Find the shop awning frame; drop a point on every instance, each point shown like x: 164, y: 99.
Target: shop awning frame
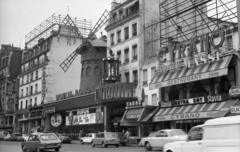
x: 194, y: 73
x: 198, y: 111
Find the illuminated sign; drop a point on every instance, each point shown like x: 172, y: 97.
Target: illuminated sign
x: 184, y: 55
x: 80, y: 92
x: 84, y: 116
x: 234, y: 91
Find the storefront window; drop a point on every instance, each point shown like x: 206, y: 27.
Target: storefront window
x: 173, y: 93
x: 223, y: 85
x: 198, y: 90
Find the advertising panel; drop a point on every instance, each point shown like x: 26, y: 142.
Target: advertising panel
x: 84, y: 116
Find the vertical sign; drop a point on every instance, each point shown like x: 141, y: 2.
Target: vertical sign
x: 44, y: 84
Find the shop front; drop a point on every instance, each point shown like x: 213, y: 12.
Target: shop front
x: 194, y: 87
x: 74, y: 116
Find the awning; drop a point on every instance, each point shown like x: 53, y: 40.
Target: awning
x: 206, y: 110
x: 132, y: 117
x: 194, y: 73
x: 150, y: 115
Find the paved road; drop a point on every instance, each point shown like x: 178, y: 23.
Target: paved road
x: 11, y: 146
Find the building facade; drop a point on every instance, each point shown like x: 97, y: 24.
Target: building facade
x: 41, y: 77
x: 10, y: 67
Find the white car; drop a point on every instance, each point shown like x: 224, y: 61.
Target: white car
x: 215, y: 135
x: 159, y: 138
x: 25, y: 137
x: 88, y: 138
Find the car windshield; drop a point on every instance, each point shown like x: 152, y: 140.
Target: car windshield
x: 177, y: 132
x: 153, y: 134
x: 48, y: 137
x: 110, y: 135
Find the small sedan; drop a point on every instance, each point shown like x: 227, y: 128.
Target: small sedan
x: 159, y: 138
x: 106, y: 139
x: 41, y: 141
x: 88, y: 138
x: 64, y: 138
x: 20, y: 138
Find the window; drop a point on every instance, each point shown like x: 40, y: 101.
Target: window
x: 27, y: 92
x: 21, y: 105
x: 31, y: 91
x: 126, y: 33
x: 31, y: 76
x: 27, y: 78
x: 97, y: 71
x: 112, y: 39
x: 88, y: 71
x: 198, y: 90
x: 30, y: 102
x: 35, y: 102
x: 146, y: 99
x: 153, y: 72
x: 134, y: 52
x: 21, y: 92
x: 229, y: 42
x: 135, y: 76
x: 127, y: 76
x: 134, y: 29
x: 145, y: 77
x: 36, y: 88
x: 26, y: 103
x: 82, y: 72
x: 224, y: 85
x: 173, y: 94
x: 22, y: 80
x: 126, y: 51
x: 118, y: 36
x: 119, y: 56
x: 154, y: 99
x: 36, y: 74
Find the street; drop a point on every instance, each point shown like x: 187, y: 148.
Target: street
x: 11, y: 146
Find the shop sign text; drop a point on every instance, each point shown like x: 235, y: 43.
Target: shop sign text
x: 185, y: 116
x: 235, y: 109
x: 234, y: 91
x: 184, y: 55
x: 134, y: 104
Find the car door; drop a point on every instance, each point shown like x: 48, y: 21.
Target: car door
x: 37, y: 142
x: 194, y: 141
x: 29, y: 145
x: 155, y: 140
x: 164, y: 138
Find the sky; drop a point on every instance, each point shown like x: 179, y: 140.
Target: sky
x: 19, y: 17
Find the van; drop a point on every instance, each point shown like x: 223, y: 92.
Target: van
x: 219, y: 134
x: 3, y: 134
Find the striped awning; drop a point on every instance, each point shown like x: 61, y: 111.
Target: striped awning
x: 194, y: 73
x: 206, y: 110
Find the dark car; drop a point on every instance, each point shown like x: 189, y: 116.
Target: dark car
x: 105, y: 139
x: 13, y: 137
x: 42, y: 141
x: 20, y: 137
x: 64, y: 138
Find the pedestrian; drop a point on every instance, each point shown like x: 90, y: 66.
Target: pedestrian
x: 127, y: 134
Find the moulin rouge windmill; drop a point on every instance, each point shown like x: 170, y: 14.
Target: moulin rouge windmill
x: 86, y: 41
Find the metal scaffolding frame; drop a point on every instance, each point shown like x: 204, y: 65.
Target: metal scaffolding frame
x: 47, y: 27
x: 182, y: 20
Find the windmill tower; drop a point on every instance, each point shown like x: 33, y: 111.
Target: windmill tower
x: 92, y: 50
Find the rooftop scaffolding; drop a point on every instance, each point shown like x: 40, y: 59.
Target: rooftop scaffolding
x: 45, y: 29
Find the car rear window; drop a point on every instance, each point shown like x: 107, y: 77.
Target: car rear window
x: 48, y: 137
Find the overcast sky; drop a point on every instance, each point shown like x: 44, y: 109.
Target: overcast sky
x: 19, y: 17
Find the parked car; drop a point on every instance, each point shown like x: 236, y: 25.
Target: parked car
x: 159, y: 138
x: 13, y: 137
x: 20, y: 137
x: 219, y: 134
x: 6, y: 138
x: 123, y: 139
x: 3, y: 134
x: 105, y: 139
x: 25, y: 137
x: 42, y: 141
x: 65, y: 138
x: 87, y: 138
x: 134, y: 140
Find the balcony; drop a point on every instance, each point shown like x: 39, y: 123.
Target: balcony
x: 126, y: 60
x: 113, y: 21
x: 135, y: 57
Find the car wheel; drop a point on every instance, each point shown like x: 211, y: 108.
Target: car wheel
x: 24, y: 149
x: 148, y: 146
x: 39, y: 150
x: 92, y: 144
x: 57, y: 149
x: 117, y: 146
x: 82, y: 142
x: 104, y: 145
